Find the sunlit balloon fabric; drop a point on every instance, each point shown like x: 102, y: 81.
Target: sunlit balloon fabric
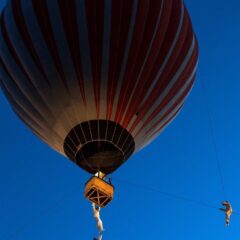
x: 97, y: 79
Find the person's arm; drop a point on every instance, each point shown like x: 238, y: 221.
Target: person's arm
x: 225, y: 204
x: 94, y: 207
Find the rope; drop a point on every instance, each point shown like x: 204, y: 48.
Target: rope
x: 173, y: 196
x: 214, y: 140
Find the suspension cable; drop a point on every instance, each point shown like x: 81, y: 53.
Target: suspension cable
x: 210, y: 121
x: 173, y: 196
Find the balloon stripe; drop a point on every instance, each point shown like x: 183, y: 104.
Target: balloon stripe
x: 150, y: 29
x: 171, y: 43
x: 168, y: 107
x: 95, y: 19
x: 41, y: 12
x: 69, y: 20
x: 137, y: 37
x: 125, y: 51
x: 172, y: 113
x: 149, y: 60
x: 85, y: 53
x: 23, y: 102
x: 105, y: 59
x: 186, y: 67
x: 116, y: 9
x: 18, y: 77
x: 121, y: 18
x: 19, y: 19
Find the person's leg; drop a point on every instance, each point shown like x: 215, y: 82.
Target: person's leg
x: 227, y: 219
x: 100, y: 225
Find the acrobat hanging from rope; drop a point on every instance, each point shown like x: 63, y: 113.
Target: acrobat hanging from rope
x: 96, y: 215
x: 228, y: 211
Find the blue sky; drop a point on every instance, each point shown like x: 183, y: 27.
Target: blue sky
x: 41, y: 193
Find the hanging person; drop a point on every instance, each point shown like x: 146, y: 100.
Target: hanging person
x: 228, y: 211
x: 96, y: 214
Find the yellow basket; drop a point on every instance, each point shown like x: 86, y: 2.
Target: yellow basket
x: 99, y: 191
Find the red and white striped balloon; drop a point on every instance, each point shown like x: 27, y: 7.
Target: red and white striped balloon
x: 132, y: 62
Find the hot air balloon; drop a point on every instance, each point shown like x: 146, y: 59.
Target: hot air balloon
x: 97, y: 80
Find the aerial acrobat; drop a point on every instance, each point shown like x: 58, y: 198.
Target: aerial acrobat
x: 228, y: 211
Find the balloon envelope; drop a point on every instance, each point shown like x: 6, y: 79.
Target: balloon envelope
x: 98, y: 79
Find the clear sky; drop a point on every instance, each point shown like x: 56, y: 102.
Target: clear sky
x: 41, y: 193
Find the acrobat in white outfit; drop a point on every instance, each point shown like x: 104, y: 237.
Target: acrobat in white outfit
x: 96, y: 214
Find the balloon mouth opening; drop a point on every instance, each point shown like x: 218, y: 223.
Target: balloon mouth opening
x: 99, y: 145
x: 99, y: 156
